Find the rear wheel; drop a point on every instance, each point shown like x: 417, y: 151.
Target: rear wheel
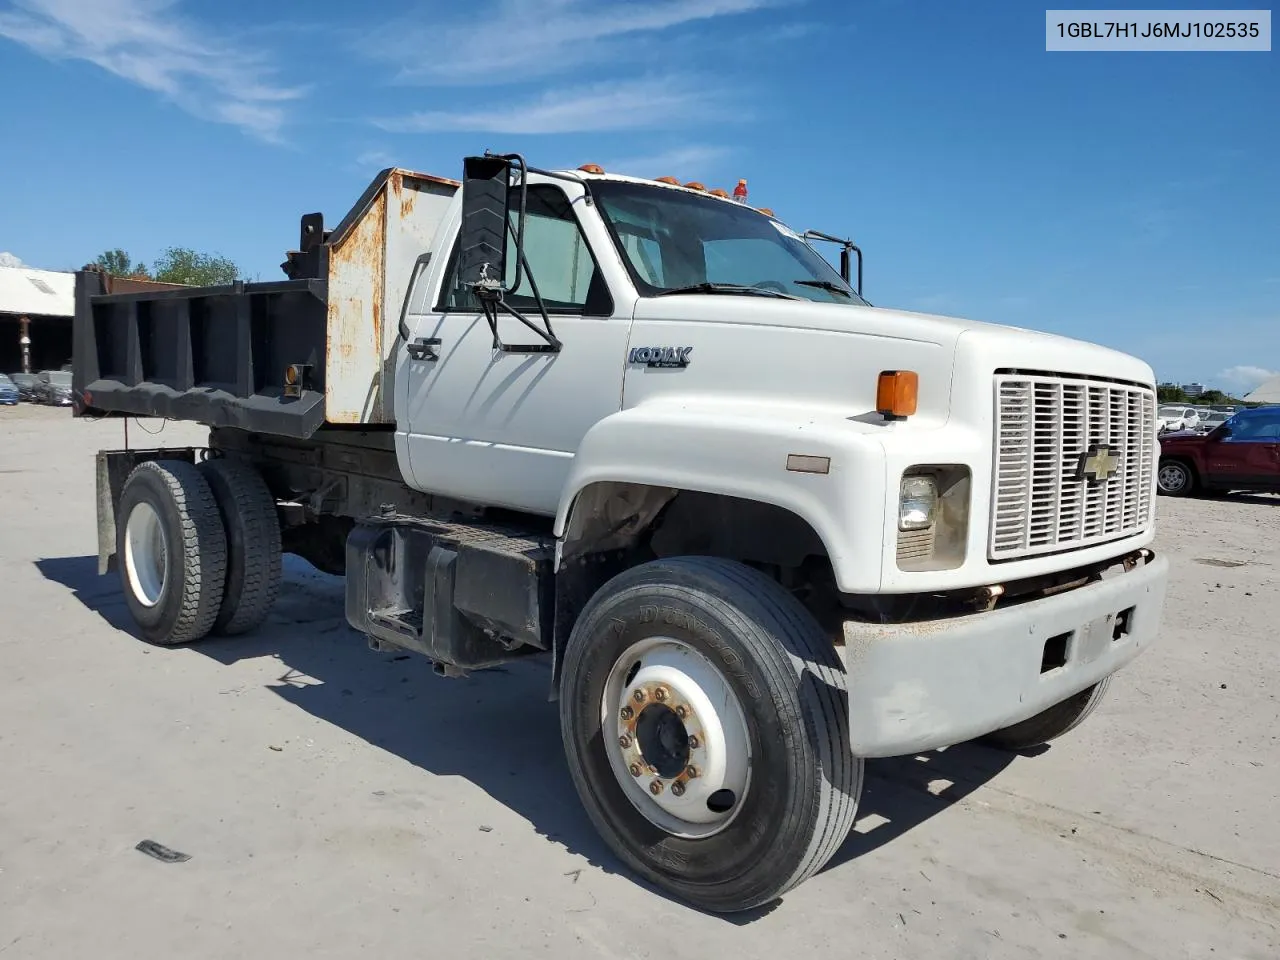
x: 705, y: 722
x: 171, y: 550
x: 1175, y: 478
x: 253, y: 544
x: 1052, y: 723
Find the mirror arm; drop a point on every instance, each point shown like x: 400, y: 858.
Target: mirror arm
x: 846, y: 247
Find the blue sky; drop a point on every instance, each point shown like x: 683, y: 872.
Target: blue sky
x: 1131, y: 199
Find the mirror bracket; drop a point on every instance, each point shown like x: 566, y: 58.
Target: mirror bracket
x: 486, y: 224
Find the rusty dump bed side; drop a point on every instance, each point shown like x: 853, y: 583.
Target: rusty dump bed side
x: 281, y: 357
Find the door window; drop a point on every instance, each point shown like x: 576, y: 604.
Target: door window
x: 1255, y: 426
x: 558, y: 258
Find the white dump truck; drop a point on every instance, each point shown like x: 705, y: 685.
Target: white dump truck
x: 763, y: 529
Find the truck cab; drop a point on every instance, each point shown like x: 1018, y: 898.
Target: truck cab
x: 763, y: 529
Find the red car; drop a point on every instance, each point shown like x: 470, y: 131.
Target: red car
x: 1242, y: 454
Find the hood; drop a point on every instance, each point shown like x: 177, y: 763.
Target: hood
x: 990, y: 344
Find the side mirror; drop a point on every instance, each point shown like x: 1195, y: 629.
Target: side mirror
x: 482, y: 244
x: 1220, y: 433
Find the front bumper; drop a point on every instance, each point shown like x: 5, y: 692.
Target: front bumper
x: 921, y: 686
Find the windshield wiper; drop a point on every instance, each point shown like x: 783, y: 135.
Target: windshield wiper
x: 825, y: 285
x: 730, y: 288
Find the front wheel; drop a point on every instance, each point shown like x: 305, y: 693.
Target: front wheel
x: 1175, y: 478
x: 705, y: 721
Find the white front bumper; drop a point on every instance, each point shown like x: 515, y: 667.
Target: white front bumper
x: 924, y: 685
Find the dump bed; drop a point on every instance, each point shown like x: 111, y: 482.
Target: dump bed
x: 282, y: 357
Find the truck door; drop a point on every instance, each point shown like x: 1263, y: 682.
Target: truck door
x: 1250, y: 454
x: 498, y: 428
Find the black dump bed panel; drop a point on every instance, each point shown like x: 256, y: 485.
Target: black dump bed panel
x: 215, y: 355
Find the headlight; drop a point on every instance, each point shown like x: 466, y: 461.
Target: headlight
x: 917, y: 503
x: 933, y: 517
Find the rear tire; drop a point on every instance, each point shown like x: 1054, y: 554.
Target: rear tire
x: 1052, y: 723
x: 253, y: 544
x: 763, y: 711
x: 171, y: 550
x: 1175, y: 479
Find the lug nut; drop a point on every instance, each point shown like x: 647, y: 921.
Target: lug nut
x: 656, y: 787
x: 638, y: 696
x: 691, y: 772
x: 682, y: 711
x: 636, y: 769
x: 694, y: 742
x: 660, y: 694
x: 678, y: 788
x: 627, y: 713
x: 624, y: 742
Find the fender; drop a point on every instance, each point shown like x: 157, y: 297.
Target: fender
x: 740, y: 448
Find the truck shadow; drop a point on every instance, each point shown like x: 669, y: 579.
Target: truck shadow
x: 497, y: 728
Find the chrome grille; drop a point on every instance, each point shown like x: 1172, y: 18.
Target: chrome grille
x: 1045, y: 424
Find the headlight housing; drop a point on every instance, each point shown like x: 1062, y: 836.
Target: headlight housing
x: 917, y: 503
x: 933, y: 517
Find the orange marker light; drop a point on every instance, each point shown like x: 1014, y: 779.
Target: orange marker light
x: 717, y: 192
x: 671, y: 180
x: 695, y: 185
x: 591, y: 168
x: 897, y: 393
x: 767, y: 211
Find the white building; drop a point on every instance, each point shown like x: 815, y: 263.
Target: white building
x: 36, y: 306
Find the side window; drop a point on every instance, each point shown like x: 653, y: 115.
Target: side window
x: 1258, y: 425
x: 557, y: 255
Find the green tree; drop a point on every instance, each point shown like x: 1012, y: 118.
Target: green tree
x: 1214, y: 396
x: 119, y: 264
x: 1170, y: 394
x: 184, y: 265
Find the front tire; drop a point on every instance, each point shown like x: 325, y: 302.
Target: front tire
x: 171, y: 550
x: 1052, y: 723
x: 705, y: 722
x: 1175, y: 479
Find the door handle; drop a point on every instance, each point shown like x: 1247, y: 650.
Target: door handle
x: 421, y: 348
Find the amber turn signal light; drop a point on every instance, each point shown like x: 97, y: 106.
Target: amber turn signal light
x: 896, y: 394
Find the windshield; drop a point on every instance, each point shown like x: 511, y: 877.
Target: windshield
x: 1173, y: 411
x: 60, y: 378
x: 672, y: 240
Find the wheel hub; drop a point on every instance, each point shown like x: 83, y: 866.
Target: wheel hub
x: 145, y: 555
x: 679, y: 745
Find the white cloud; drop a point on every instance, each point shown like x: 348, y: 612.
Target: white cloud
x: 622, y: 106
x: 1246, y: 377
x: 519, y: 39
x: 9, y: 260
x: 375, y: 158
x: 685, y: 163
x: 147, y: 42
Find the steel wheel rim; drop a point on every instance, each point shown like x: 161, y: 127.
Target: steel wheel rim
x: 1173, y: 477
x: 146, y: 557
x: 659, y: 690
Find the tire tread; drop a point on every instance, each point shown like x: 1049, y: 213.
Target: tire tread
x: 245, y: 501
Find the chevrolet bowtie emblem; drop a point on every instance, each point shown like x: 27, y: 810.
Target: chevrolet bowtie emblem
x: 1098, y: 463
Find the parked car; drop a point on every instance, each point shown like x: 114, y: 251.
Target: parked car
x: 1241, y: 454
x: 26, y: 384
x: 54, y: 388
x: 9, y: 394
x: 1211, y: 421
x: 1174, y: 417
